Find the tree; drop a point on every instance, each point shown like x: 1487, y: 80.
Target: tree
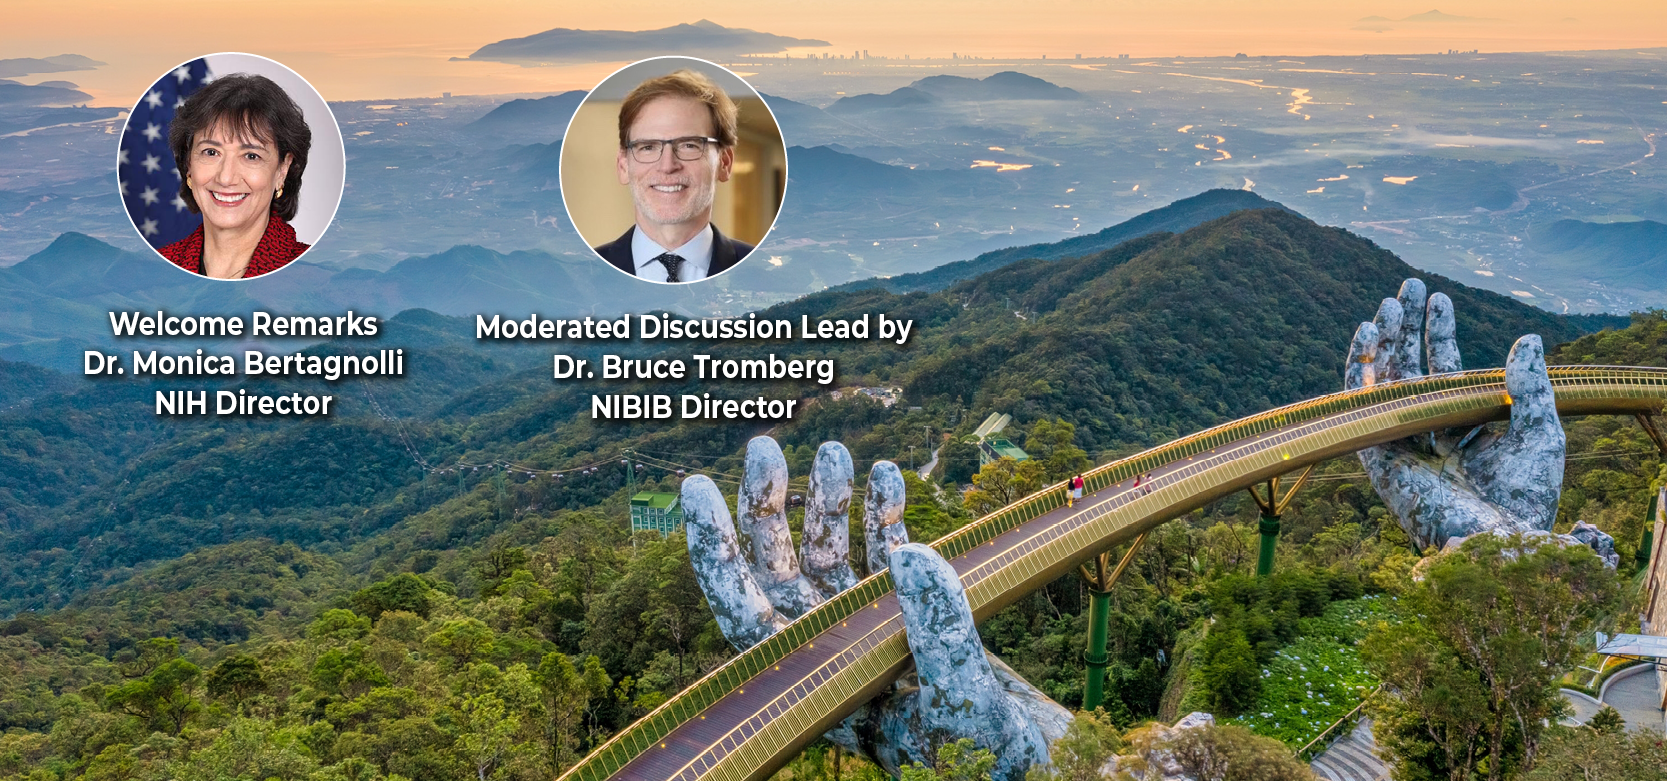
x: 1585, y: 753
x: 1607, y: 720
x: 162, y: 699
x: 1225, y: 752
x: 958, y: 460
x: 486, y: 732
x: 237, y: 678
x: 462, y: 640
x: 497, y: 564
x: 339, y: 626
x: 1087, y: 745
x: 957, y: 761
x: 1001, y: 483
x: 1472, y: 672
x: 249, y: 748
x: 676, y: 608
x: 150, y: 654
x: 1054, y: 445
x: 596, y: 683
x: 926, y: 517
x: 566, y: 700
x: 1432, y: 720
x: 1231, y: 675
x: 347, y: 671
x: 404, y: 591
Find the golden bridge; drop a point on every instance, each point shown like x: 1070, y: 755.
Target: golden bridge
x: 749, y: 717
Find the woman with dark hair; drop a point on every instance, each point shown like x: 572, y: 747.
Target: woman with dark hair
x: 240, y: 144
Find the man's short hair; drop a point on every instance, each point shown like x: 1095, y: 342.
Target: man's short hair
x: 687, y: 84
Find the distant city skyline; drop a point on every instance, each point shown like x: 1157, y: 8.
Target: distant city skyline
x: 402, y: 49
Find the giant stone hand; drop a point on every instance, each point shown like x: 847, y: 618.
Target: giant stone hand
x: 1448, y: 485
x: 755, y: 584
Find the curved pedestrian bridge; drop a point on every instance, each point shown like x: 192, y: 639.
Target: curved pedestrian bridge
x: 749, y: 717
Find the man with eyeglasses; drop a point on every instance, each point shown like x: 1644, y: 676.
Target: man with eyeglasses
x: 676, y: 142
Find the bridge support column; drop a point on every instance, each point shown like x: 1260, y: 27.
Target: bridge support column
x: 1647, y: 422
x: 1100, y: 582
x: 1272, y: 507
x: 1269, y: 527
x: 1647, y: 545
x: 1099, y: 619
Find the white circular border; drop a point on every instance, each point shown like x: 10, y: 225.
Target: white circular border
x: 787, y: 166
x: 334, y: 124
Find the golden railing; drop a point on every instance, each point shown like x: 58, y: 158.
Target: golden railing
x: 1201, y: 468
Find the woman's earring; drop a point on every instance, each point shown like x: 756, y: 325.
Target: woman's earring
x: 280, y: 193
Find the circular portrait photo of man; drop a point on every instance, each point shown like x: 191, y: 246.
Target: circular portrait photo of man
x: 673, y: 170
x: 231, y: 166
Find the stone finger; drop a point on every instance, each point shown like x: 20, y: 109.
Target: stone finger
x: 1388, y: 323
x: 1409, y: 350
x: 1522, y: 470
x: 1441, y: 336
x: 960, y: 695
x: 882, y: 516
x: 1363, y: 350
x: 742, y: 610
x: 825, y: 549
x: 763, y: 531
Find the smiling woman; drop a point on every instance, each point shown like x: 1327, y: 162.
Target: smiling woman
x: 241, y: 143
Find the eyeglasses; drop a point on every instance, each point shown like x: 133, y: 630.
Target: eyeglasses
x: 649, y: 150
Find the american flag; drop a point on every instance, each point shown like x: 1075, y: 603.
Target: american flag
x: 145, y: 169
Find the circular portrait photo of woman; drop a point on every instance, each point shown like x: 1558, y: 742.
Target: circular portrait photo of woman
x: 231, y: 166
x: 673, y: 170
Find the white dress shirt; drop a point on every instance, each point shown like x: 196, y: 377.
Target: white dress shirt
x: 696, y: 254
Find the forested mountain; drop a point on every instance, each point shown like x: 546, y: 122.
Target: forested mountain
x: 1155, y: 338
x: 1176, y: 217
x: 322, y: 590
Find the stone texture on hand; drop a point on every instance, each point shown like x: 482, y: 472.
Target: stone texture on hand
x: 827, y: 537
x: 754, y: 582
x: 1451, y: 484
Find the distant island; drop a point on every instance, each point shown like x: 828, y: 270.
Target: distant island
x: 702, y: 39
x: 1430, y: 16
x: 25, y: 66
x: 1006, y: 85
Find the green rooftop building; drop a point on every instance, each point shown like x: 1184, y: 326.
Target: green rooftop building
x: 992, y: 447
x: 996, y: 448
x: 656, y: 512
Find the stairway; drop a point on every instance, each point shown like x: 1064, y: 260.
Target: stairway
x: 1352, y: 758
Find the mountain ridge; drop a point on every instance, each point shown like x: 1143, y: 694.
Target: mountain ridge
x: 1174, y: 217
x: 704, y: 37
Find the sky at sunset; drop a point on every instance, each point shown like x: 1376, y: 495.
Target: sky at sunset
x: 388, y: 49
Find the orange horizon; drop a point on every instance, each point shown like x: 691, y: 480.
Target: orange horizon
x: 396, y: 50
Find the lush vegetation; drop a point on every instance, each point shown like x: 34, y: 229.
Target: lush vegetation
x: 242, y: 599
x: 1319, y: 678
x: 1471, y: 667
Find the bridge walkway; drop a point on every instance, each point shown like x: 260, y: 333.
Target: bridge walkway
x: 747, y: 718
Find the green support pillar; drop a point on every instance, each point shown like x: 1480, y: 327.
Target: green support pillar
x: 1100, y: 582
x: 1272, y: 507
x: 1099, y: 619
x: 1647, y: 546
x: 1648, y: 543
x: 1269, y: 527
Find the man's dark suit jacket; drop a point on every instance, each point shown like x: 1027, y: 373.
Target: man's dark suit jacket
x: 726, y: 252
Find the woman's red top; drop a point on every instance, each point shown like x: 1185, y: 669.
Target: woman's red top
x: 276, y: 249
